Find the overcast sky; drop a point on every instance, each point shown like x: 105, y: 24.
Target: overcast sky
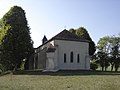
x: 49, y: 17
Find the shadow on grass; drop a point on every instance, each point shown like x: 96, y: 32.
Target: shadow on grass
x: 66, y: 73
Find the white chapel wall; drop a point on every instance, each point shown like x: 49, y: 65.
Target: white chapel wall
x: 80, y: 48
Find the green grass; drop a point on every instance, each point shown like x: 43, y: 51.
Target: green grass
x: 63, y: 80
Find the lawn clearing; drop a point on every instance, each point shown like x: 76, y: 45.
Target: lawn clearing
x: 62, y: 81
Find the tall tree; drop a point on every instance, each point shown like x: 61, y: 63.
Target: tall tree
x: 15, y: 40
x: 115, y: 53
x: 93, y: 62
x: 104, y: 44
x: 110, y: 48
x: 83, y: 33
x: 102, y: 60
x: 103, y: 48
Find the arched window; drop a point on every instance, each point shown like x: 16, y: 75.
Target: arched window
x: 78, y: 58
x: 71, y: 57
x: 64, y: 57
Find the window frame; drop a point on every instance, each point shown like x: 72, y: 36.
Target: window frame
x: 71, y: 57
x: 65, y: 58
x: 78, y: 58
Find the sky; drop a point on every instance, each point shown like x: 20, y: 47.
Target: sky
x: 49, y: 17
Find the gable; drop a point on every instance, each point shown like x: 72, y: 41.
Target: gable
x: 66, y: 35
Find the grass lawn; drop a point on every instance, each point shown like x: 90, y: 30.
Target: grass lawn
x: 63, y: 80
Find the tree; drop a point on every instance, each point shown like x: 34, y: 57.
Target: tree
x: 93, y: 66
x: 93, y: 63
x: 83, y: 33
x: 15, y: 41
x: 0, y: 24
x: 104, y: 44
x: 115, y: 53
x: 109, y: 52
x: 72, y: 30
x: 103, y: 47
x: 102, y: 60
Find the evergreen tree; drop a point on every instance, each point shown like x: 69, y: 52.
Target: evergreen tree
x: 15, y: 40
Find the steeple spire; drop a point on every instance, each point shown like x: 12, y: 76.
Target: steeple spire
x: 44, y: 39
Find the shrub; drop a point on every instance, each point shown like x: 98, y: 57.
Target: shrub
x: 93, y: 66
x: 2, y: 69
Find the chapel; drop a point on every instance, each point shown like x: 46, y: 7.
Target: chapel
x: 64, y: 51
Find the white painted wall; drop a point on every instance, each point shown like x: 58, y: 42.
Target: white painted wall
x: 55, y: 60
x: 50, y: 61
x: 80, y: 48
x: 46, y: 45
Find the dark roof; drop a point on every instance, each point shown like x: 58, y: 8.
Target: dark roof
x: 66, y: 35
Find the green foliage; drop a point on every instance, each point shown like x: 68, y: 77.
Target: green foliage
x: 104, y: 44
x: 0, y: 24
x: 72, y: 30
x: 109, y: 52
x: 93, y: 66
x: 15, y: 40
x: 2, y: 69
x: 102, y: 60
x: 83, y: 33
x: 115, y: 52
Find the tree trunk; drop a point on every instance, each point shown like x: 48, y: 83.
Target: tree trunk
x: 102, y: 68
x: 112, y: 67
x: 116, y: 67
x: 15, y: 67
